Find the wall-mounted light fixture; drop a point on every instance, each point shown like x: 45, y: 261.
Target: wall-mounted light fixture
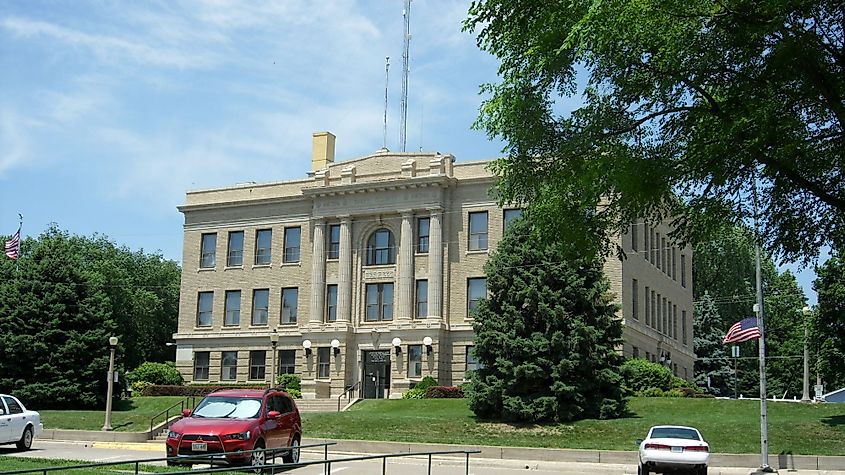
x: 427, y: 341
x: 307, y: 345
x: 397, y: 343
x: 336, y: 346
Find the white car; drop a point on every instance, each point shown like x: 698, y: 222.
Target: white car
x: 673, y: 449
x: 17, y: 425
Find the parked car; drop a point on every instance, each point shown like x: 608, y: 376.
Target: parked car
x: 673, y: 449
x: 229, y: 423
x: 17, y: 424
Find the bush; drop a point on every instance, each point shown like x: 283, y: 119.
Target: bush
x: 443, y: 392
x: 415, y: 393
x: 673, y: 393
x: 138, y: 387
x: 639, y: 375
x: 651, y: 392
x: 687, y: 392
x: 290, y: 382
x: 156, y: 373
x: 194, y: 389
x: 426, y: 383
x: 294, y: 393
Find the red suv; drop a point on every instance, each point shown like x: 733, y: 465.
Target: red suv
x: 237, y: 420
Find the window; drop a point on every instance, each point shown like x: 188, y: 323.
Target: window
x: 675, y: 322
x: 472, y: 363
x: 478, y: 231
x: 652, y: 251
x: 379, y: 302
x: 233, y: 308
x: 202, y: 360
x: 476, y: 290
x: 665, y: 311
x: 229, y: 366
x: 331, y: 302
x: 510, y: 216
x: 646, y: 242
x: 14, y: 406
x: 235, y: 254
x: 422, y: 299
x: 263, y: 247
x: 287, y: 362
x: 205, y: 302
x: 208, y: 250
x: 290, y: 297
x: 635, y: 304
x: 674, y: 263
x: 260, y: 305
x: 684, y: 326
x: 323, y: 362
x: 635, y: 352
x: 647, y: 308
x: 292, y: 238
x: 683, y: 271
x: 658, y: 256
x: 422, y: 234
x: 665, y: 250
x: 257, y: 364
x: 380, y: 248
x: 334, y: 242
x: 647, y: 356
x: 414, y: 361
x: 654, y: 316
x: 635, y: 230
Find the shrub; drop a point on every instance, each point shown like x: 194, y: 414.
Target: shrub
x: 650, y: 392
x: 194, y: 389
x: 294, y: 393
x: 687, y: 392
x: 156, y: 373
x: 426, y: 383
x: 290, y: 382
x: 443, y: 392
x: 673, y: 393
x: 415, y: 393
x: 138, y: 387
x: 639, y: 374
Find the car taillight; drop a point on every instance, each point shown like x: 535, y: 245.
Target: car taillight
x: 658, y: 447
x: 697, y: 448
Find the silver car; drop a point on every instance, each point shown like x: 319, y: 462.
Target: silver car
x: 18, y: 425
x: 673, y: 449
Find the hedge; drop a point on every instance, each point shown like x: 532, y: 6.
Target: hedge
x: 443, y: 392
x: 194, y: 389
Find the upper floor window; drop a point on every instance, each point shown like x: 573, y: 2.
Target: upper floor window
x: 635, y: 299
x: 380, y: 248
x: 263, y: 246
x: 208, y: 250
x: 289, y: 304
x: 422, y: 234
x: 334, y: 242
x: 233, y: 308
x: 683, y: 271
x: 379, y: 302
x: 331, y: 302
x: 635, y: 232
x: 260, y: 306
x: 205, y: 302
x: 421, y: 297
x: 511, y: 215
x: 235, y: 254
x: 476, y: 290
x: 292, y: 239
x: 478, y: 231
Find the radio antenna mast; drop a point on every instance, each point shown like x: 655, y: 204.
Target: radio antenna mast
x: 403, y: 108
x: 386, y: 76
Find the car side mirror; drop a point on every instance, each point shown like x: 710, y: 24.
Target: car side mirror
x: 186, y: 413
x: 274, y: 414
x: 638, y: 442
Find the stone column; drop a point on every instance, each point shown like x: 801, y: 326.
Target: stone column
x: 344, y: 291
x: 435, y: 264
x: 405, y: 301
x: 318, y: 272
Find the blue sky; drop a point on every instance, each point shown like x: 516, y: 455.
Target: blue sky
x: 110, y: 111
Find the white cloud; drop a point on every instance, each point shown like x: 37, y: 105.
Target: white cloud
x: 12, y: 142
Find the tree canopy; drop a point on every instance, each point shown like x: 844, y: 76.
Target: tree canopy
x: 828, y: 335
x: 684, y: 102
x: 546, y: 337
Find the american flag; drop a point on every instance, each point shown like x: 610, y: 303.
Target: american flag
x: 13, y: 246
x: 744, y: 330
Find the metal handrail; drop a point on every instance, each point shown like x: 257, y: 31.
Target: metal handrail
x: 346, y: 392
x: 182, y: 405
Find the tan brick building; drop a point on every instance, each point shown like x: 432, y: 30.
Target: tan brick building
x: 366, y: 270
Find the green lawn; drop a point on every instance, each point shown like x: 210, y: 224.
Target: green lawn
x: 729, y: 426
x: 21, y: 463
x: 128, y: 415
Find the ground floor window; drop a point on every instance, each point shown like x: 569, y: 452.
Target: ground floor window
x: 201, y: 364
x: 257, y: 364
x: 323, y: 362
x: 472, y: 363
x: 229, y: 366
x: 414, y: 361
x: 287, y: 362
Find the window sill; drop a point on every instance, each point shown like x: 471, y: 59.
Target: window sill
x: 291, y: 264
x: 262, y: 266
x: 258, y: 325
x: 204, y: 329
x: 470, y: 252
x: 288, y: 324
x: 230, y: 328
x: 240, y: 267
x: 206, y: 269
x: 420, y: 254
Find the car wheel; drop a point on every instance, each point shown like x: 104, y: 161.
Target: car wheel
x: 642, y: 469
x: 26, y: 439
x: 293, y: 455
x: 258, y: 458
x: 702, y: 470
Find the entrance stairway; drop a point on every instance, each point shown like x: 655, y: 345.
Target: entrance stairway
x: 320, y: 405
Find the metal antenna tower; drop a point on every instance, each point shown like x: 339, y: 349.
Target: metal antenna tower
x: 403, y: 108
x: 386, y: 77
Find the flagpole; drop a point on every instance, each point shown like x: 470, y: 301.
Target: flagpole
x: 764, y: 421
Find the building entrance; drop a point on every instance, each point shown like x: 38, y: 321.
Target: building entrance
x: 376, y: 375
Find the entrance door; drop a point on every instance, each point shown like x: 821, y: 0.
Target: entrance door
x: 376, y: 375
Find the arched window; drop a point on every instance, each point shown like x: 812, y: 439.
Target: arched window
x: 380, y: 248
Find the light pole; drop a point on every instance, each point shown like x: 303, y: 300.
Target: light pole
x: 113, y: 346
x: 806, y: 396
x: 274, y: 340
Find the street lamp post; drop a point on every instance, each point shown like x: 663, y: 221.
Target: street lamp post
x: 113, y: 346
x: 274, y: 340
x: 806, y: 396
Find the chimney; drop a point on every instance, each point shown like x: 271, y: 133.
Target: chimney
x: 322, y: 152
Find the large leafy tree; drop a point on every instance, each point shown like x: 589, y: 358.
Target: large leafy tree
x: 828, y: 327
x: 62, y: 300
x: 546, y: 337
x: 683, y: 103
x: 712, y: 368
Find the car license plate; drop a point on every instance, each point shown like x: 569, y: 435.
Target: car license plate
x: 677, y: 449
x: 199, y: 446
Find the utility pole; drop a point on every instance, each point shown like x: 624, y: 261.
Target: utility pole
x: 758, y: 308
x: 805, y: 397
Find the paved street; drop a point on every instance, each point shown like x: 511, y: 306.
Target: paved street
x: 109, y: 452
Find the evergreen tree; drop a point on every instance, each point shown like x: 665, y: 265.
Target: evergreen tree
x: 828, y: 328
x: 546, y: 337
x: 712, y: 362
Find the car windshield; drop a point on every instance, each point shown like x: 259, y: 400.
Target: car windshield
x: 674, y: 433
x: 228, y: 406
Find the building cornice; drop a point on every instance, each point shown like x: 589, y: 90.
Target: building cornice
x: 439, y: 181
